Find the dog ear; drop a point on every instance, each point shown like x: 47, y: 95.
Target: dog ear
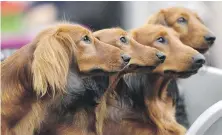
x: 51, y: 63
x: 97, y: 34
x: 158, y: 18
x: 133, y: 34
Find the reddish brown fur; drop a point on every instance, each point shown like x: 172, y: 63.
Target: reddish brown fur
x: 160, y: 113
x: 39, y: 70
x: 191, y: 34
x: 179, y: 59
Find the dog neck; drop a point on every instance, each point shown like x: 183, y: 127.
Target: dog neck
x: 158, y: 84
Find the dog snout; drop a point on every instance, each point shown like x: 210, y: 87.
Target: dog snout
x: 210, y: 38
x: 126, y: 58
x: 161, y: 56
x: 198, y: 61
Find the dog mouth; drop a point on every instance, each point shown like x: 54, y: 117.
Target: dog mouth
x: 183, y: 74
x: 99, y: 71
x: 130, y: 68
x: 139, y: 68
x: 202, y: 50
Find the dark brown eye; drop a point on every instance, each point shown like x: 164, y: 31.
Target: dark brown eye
x: 86, y: 39
x: 161, y: 40
x: 124, y: 40
x: 181, y: 20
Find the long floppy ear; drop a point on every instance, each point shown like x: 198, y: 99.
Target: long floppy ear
x: 96, y: 34
x: 158, y: 18
x: 133, y: 34
x: 51, y: 63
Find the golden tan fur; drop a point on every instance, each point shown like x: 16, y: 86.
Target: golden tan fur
x: 191, y: 33
x: 162, y: 112
x: 38, y: 71
x: 178, y: 59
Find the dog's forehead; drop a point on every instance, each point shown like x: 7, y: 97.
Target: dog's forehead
x: 120, y: 31
x: 172, y: 32
x: 151, y: 28
x: 80, y: 29
x: 181, y: 10
x: 73, y: 29
x: 114, y: 33
x: 162, y: 30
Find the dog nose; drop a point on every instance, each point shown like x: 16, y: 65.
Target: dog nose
x: 210, y: 39
x: 126, y: 58
x: 198, y: 61
x: 161, y: 56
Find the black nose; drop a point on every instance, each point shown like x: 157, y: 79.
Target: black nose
x: 210, y: 39
x: 126, y: 58
x: 161, y: 56
x: 198, y: 61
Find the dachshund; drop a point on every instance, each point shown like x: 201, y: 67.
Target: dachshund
x: 72, y: 119
x: 188, y: 24
x: 181, y: 62
x: 42, y: 71
x: 193, y: 33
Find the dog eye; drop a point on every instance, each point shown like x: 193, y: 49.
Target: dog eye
x: 86, y: 39
x: 181, y: 20
x: 161, y: 40
x: 123, y: 40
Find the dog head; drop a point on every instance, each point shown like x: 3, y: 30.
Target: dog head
x: 188, y: 24
x: 143, y: 58
x: 180, y: 60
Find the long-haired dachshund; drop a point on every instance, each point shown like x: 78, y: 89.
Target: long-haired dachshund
x: 43, y: 70
x: 193, y: 33
x: 188, y: 24
x: 182, y: 61
x: 86, y: 118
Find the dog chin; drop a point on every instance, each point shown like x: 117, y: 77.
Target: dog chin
x: 98, y: 72
x: 182, y: 74
x: 202, y: 50
x: 134, y: 68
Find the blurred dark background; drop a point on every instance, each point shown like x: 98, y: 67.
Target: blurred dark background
x: 96, y: 15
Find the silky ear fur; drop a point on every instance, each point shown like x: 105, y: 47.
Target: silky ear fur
x: 51, y: 62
